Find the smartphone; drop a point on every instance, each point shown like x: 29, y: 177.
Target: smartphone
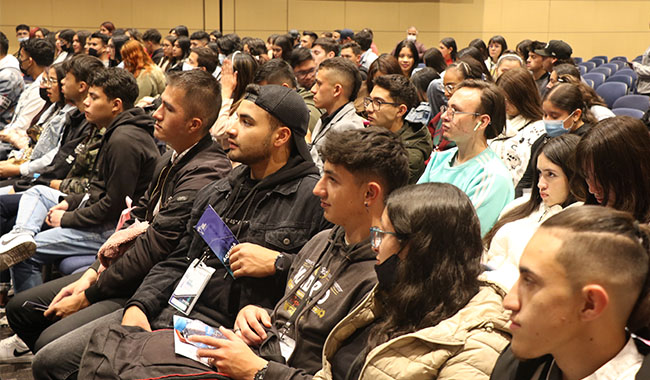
x: 34, y: 306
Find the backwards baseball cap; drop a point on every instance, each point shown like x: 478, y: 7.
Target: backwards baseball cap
x: 556, y: 49
x: 346, y: 33
x: 288, y: 107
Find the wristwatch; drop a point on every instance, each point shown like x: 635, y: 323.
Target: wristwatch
x: 260, y: 374
x: 280, y: 263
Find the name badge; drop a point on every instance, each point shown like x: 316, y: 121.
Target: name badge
x: 190, y: 287
x: 287, y: 345
x: 217, y: 235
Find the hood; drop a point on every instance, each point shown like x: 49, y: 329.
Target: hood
x: 416, y: 135
x: 353, y: 253
x: 296, y: 167
x: 135, y: 116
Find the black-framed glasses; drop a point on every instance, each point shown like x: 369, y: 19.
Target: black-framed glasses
x: 377, y: 235
x: 377, y: 103
x: 452, y: 112
x: 304, y: 73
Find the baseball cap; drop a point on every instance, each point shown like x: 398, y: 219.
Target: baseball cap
x: 557, y: 49
x: 346, y: 33
x: 288, y: 107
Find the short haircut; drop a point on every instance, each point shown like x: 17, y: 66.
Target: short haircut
x: 311, y: 34
x: 101, y: 36
x: 372, y: 153
x: 493, y: 103
x: 200, y: 35
x: 328, y: 44
x: 536, y: 45
x: 202, y: 94
x: 400, y: 89
x: 606, y: 246
x: 299, y: 56
x: 206, y: 58
x: 152, y: 35
x: 22, y: 27
x: 276, y: 71
x: 356, y: 49
x: 82, y: 67
x: 364, y: 39
x: 40, y: 50
x: 117, y: 84
x: 345, y: 73
x: 4, y: 44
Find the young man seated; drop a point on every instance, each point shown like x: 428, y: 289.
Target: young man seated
x: 330, y: 275
x: 581, y: 293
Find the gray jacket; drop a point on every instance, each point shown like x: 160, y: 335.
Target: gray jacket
x: 344, y: 120
x: 11, y: 86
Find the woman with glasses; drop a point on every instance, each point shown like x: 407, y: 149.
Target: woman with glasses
x: 430, y: 315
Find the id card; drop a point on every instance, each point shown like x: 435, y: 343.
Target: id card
x: 217, y: 235
x: 190, y: 287
x: 287, y: 345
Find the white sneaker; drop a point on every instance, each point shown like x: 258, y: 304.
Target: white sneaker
x: 16, y: 246
x: 14, y: 350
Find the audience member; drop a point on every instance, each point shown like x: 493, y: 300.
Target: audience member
x: 535, y: 63
x: 202, y: 58
x: 304, y: 67
x: 180, y: 31
x: 337, y: 84
x: 448, y: 49
x: 642, y: 70
x: 307, y: 39
x: 480, y: 45
x: 558, y: 186
x: 98, y: 47
x: 613, y: 159
x: 421, y: 80
x: 523, y: 48
x: 107, y: 28
x: 79, y: 42
x: 199, y: 39
x: 180, y: 52
x: 64, y: 45
x: 150, y: 78
x: 364, y: 39
x: 580, y: 307
x: 434, y: 59
x: 496, y: 46
x: 476, y: 112
x: 524, y: 123
x: 151, y: 39
x: 407, y: 57
x: 168, y: 60
x: 11, y: 82
x: 324, y: 48
x: 568, y: 73
x: 383, y: 65
x: 282, y: 47
x: 564, y: 112
x: 387, y: 106
x: 509, y: 60
x: 554, y: 53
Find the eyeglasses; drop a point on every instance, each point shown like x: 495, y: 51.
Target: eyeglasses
x: 304, y: 73
x: 377, y: 103
x: 47, y: 82
x: 450, y: 87
x: 377, y: 235
x: 452, y: 112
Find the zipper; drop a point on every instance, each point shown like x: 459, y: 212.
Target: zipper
x: 162, y: 190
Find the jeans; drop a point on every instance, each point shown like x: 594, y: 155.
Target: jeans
x: 53, y: 244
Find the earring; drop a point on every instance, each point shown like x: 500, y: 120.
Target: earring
x: 365, y: 204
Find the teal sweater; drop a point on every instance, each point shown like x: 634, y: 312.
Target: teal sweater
x: 484, y: 178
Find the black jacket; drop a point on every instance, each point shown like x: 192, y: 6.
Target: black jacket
x: 510, y: 368
x: 175, y: 186
x: 281, y: 214
x: 125, y: 164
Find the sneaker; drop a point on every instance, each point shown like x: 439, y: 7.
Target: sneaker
x: 16, y: 246
x: 14, y: 350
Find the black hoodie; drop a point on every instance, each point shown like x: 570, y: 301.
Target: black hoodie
x: 125, y: 164
x: 278, y: 212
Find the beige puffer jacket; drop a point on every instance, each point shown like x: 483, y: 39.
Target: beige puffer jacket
x: 465, y: 346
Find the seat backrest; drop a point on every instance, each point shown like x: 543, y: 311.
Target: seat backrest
x: 577, y: 60
x: 597, y: 78
x: 639, y: 102
x: 583, y: 69
x: 603, y: 57
x: 621, y: 78
x: 628, y: 112
x: 618, y: 58
x: 613, y: 66
x: 619, y: 64
x: 627, y: 71
x: 589, y: 82
x: 589, y: 65
x: 597, y: 61
x: 602, y: 69
x: 610, y: 91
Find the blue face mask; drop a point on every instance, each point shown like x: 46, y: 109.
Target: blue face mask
x: 555, y: 128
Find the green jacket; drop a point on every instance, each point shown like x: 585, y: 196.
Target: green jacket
x: 417, y: 140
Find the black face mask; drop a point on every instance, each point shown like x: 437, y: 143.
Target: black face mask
x: 43, y: 93
x: 387, y: 272
x: 20, y: 66
x: 93, y: 52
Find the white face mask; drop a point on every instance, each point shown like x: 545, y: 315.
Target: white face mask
x: 188, y: 67
x: 410, y: 37
x: 23, y: 39
x: 222, y: 57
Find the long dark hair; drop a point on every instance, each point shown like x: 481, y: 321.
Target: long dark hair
x: 433, y: 58
x: 245, y: 66
x: 450, y: 43
x: 520, y: 88
x: 414, y: 52
x: 568, y: 97
x: 561, y: 152
x: 60, y: 74
x: 439, y: 275
x: 185, y: 45
x: 501, y: 41
x: 617, y: 150
x: 386, y: 64
x: 286, y: 43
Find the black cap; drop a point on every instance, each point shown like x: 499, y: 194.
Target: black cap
x: 557, y: 49
x: 288, y: 107
x: 346, y: 33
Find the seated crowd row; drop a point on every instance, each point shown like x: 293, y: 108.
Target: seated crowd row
x: 372, y: 203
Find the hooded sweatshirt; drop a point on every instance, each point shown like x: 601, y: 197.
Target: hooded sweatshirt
x: 125, y: 164
x: 278, y: 212
x: 327, y: 280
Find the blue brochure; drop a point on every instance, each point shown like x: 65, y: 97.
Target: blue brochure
x: 218, y: 236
